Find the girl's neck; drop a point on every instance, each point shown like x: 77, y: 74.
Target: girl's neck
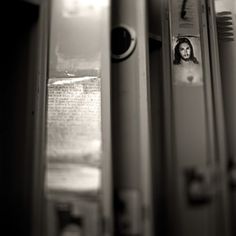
x: 186, y: 62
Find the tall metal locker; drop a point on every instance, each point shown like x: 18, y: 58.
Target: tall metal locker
x: 131, y: 119
x: 72, y: 168
x: 195, y: 152
x: 226, y: 20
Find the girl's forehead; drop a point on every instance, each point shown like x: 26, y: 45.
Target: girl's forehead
x: 184, y: 45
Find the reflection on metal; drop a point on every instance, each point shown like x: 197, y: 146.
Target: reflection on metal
x: 74, y: 134
x: 74, y: 94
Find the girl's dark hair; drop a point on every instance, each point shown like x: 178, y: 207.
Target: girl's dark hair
x: 177, y: 59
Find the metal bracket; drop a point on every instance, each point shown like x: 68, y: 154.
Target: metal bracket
x: 199, y: 186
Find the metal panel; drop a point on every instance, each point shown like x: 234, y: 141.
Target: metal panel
x: 193, y: 134
x: 221, y: 148
x: 131, y: 130
x: 227, y: 54
x: 74, y: 126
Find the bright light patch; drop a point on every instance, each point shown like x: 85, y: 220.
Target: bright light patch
x: 85, y: 3
x: 83, y: 8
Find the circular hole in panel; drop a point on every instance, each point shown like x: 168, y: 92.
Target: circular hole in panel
x: 123, y: 42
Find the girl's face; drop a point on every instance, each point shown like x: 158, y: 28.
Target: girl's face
x: 185, y: 51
